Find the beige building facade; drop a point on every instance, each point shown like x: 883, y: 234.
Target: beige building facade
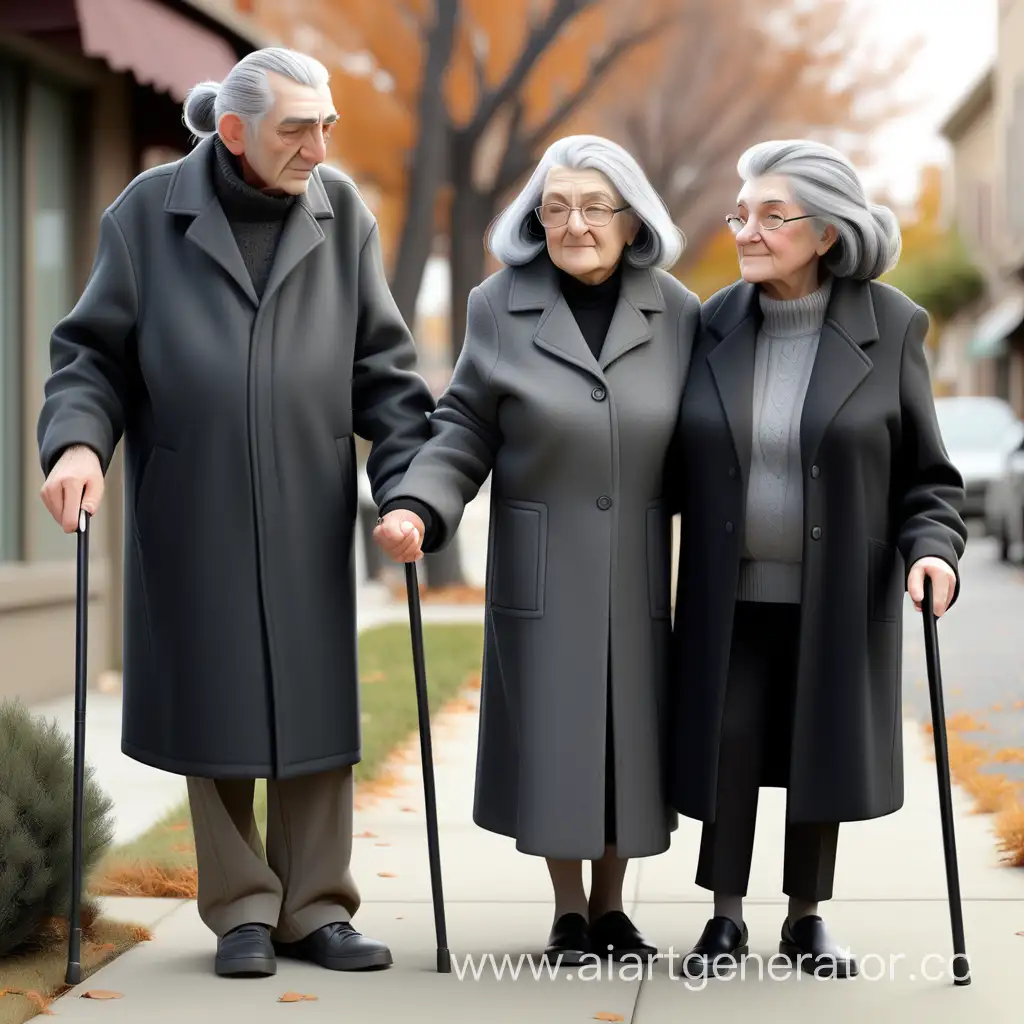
x: 983, y: 349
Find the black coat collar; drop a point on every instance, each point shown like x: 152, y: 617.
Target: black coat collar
x: 850, y: 310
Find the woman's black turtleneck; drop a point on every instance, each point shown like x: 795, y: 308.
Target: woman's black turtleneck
x: 593, y: 305
x: 256, y: 218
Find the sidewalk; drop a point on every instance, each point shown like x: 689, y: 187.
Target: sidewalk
x: 889, y: 905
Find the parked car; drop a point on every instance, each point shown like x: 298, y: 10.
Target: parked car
x: 1004, y: 507
x: 980, y: 434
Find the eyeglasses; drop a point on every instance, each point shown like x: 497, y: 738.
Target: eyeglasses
x: 771, y: 222
x: 597, y: 215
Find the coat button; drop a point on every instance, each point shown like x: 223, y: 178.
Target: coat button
x: 816, y: 532
x: 598, y: 394
x: 728, y: 527
x: 815, y: 472
x: 604, y: 502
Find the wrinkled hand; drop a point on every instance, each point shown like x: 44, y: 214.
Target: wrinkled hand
x: 400, y: 535
x: 74, y: 483
x: 943, y: 583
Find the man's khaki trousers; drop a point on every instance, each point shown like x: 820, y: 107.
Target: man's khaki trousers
x: 303, y: 881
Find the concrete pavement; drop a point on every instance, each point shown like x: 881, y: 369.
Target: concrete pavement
x: 890, y: 907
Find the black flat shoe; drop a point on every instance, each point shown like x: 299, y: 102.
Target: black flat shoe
x: 720, y: 945
x: 615, y: 929
x: 338, y: 947
x: 809, y: 948
x: 569, y: 941
x: 246, y: 952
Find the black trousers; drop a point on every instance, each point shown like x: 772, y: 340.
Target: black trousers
x: 754, y: 751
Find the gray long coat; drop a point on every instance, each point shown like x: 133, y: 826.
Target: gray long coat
x: 579, y: 552
x: 238, y: 418
x: 879, y: 493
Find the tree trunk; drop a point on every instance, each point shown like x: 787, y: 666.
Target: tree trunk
x: 472, y: 212
x: 427, y: 170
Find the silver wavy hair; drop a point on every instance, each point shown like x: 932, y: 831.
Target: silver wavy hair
x: 516, y: 236
x: 825, y: 183
x: 246, y: 91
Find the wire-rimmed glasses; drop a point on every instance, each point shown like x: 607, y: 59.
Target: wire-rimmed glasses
x: 769, y: 222
x: 596, y: 215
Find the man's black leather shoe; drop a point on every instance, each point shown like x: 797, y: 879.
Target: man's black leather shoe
x: 809, y: 948
x: 569, y: 941
x: 720, y: 946
x: 338, y: 947
x: 246, y: 952
x: 615, y: 929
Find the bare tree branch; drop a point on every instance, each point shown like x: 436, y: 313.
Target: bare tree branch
x: 541, y: 36
x: 522, y: 149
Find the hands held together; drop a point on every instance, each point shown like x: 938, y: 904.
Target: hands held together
x: 399, y: 534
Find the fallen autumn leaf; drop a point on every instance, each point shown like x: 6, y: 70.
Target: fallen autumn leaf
x: 291, y: 997
x: 101, y: 993
x: 365, y: 835
x: 385, y: 874
x: 604, y: 1015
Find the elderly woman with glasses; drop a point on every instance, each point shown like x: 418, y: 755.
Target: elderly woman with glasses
x: 815, y: 491
x: 566, y: 391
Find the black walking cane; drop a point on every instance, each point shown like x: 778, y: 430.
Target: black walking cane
x: 427, y: 759
x: 961, y: 969
x: 73, y: 974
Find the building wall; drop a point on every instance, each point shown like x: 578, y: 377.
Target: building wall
x: 68, y: 156
x: 976, y: 183
x: 1009, y: 135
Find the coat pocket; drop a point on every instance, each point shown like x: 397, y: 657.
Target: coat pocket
x: 517, y: 558
x: 659, y: 555
x: 886, y: 585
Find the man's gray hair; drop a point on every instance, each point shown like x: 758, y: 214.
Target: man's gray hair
x: 517, y: 236
x: 825, y: 183
x: 246, y: 90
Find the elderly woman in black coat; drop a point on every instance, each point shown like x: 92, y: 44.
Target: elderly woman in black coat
x: 815, y: 490
x: 566, y: 392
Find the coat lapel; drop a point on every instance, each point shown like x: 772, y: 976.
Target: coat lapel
x: 841, y: 363
x: 731, y: 360
x: 630, y: 324
x: 535, y: 287
x: 191, y: 193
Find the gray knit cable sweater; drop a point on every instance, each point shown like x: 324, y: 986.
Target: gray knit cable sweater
x: 784, y: 356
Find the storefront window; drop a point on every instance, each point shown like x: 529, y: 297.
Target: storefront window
x: 51, y: 197
x: 10, y: 319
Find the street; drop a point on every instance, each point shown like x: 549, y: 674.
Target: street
x: 979, y: 647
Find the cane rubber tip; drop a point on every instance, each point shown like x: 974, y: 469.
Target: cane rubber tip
x: 74, y: 974
x: 444, y: 962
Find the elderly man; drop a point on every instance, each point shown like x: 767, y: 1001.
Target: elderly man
x: 237, y: 330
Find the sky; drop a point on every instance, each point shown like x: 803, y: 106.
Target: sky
x: 960, y: 43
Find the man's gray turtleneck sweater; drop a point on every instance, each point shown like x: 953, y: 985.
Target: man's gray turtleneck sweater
x: 774, y: 536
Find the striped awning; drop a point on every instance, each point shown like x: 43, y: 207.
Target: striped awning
x: 161, y: 48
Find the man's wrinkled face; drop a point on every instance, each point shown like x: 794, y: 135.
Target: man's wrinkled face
x: 279, y: 155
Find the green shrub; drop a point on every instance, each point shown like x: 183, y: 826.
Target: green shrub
x: 944, y: 281
x: 36, y: 811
